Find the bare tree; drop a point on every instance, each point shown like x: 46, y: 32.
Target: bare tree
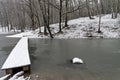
x: 60, y: 16
x: 46, y: 19
x: 88, y: 8
x: 66, y: 14
x: 99, y: 10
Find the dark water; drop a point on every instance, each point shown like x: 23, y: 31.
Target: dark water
x: 51, y: 58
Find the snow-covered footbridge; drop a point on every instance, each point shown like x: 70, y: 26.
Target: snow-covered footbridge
x: 18, y: 59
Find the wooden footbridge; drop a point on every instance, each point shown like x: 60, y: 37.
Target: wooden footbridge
x: 19, y: 59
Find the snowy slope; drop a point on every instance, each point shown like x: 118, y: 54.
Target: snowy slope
x: 82, y: 28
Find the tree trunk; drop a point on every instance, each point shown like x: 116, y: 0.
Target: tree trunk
x: 99, y: 27
x: 60, y: 17
x: 45, y: 30
x: 45, y: 19
x: 66, y: 15
x: 88, y: 8
x: 32, y: 15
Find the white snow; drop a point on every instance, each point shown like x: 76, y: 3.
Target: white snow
x: 81, y: 28
x: 3, y: 78
x: 17, y: 76
x: 5, y: 31
x: 27, y: 33
x: 19, y: 55
x: 77, y: 60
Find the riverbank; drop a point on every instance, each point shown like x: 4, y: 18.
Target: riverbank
x: 80, y: 28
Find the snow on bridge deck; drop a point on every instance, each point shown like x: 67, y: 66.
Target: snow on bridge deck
x: 19, y: 56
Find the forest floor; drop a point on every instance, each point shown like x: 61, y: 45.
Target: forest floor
x: 80, y: 28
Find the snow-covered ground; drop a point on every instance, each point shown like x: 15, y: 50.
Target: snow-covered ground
x: 81, y: 28
x: 3, y: 31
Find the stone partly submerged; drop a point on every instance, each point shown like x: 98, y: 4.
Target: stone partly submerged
x: 77, y: 60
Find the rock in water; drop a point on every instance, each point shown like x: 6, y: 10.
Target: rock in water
x: 77, y: 61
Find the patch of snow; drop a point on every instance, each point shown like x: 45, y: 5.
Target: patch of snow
x: 17, y: 76
x: 29, y: 33
x: 3, y: 32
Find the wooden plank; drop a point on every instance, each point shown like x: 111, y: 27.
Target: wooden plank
x: 19, y: 56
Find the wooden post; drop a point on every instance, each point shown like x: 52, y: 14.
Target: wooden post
x: 9, y: 71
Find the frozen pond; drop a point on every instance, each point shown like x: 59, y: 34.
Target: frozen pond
x: 51, y: 58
